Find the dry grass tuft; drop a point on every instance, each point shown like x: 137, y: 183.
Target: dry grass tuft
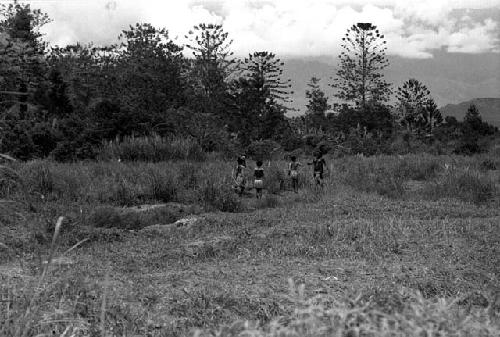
x: 326, y: 315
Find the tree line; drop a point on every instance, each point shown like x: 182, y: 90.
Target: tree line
x: 64, y: 102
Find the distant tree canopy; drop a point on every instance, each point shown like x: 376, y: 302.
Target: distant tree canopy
x: 64, y: 102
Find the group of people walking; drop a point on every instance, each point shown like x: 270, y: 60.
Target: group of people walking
x: 318, y: 164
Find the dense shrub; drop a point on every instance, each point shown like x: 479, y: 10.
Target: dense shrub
x: 74, y: 150
x: 291, y: 141
x: 262, y: 149
x: 467, y: 148
x: 312, y: 140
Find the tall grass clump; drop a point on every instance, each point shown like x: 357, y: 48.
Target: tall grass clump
x: 10, y: 181
x: 468, y: 185
x: 388, y: 175
x: 152, y: 149
x: 418, y: 167
x: 62, y: 303
x: 40, y: 177
x: 372, y: 175
x: 53, y: 181
x: 326, y: 315
x: 162, y: 186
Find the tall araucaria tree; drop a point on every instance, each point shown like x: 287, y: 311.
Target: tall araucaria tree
x: 212, y: 67
x: 359, y: 78
x: 260, y: 96
x: 265, y: 70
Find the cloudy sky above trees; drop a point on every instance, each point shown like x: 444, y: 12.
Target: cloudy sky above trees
x: 413, y: 29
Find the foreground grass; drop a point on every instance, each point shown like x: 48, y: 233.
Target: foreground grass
x: 370, y: 265
x: 227, y: 267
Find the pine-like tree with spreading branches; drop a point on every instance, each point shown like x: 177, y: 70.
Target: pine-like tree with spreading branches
x: 359, y: 78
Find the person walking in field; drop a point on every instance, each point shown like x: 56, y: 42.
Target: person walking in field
x: 240, y: 175
x: 259, y: 179
x: 319, y: 165
x: 293, y: 172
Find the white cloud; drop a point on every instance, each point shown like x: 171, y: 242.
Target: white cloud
x: 286, y: 27
x: 474, y: 40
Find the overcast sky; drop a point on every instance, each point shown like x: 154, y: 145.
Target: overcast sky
x: 288, y: 27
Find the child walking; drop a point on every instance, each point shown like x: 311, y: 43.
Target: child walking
x: 259, y: 179
x: 293, y: 172
x: 319, y: 165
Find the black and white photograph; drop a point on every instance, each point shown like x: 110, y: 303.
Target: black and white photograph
x: 249, y: 168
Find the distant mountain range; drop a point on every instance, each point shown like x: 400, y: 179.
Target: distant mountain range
x: 489, y: 109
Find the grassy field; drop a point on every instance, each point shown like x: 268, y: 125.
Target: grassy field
x: 391, y: 246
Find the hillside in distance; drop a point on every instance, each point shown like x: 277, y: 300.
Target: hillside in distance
x: 489, y: 109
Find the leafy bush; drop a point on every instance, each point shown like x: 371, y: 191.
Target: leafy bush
x: 291, y: 141
x: 73, y: 150
x: 312, y: 140
x: 467, y: 148
x: 262, y: 149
